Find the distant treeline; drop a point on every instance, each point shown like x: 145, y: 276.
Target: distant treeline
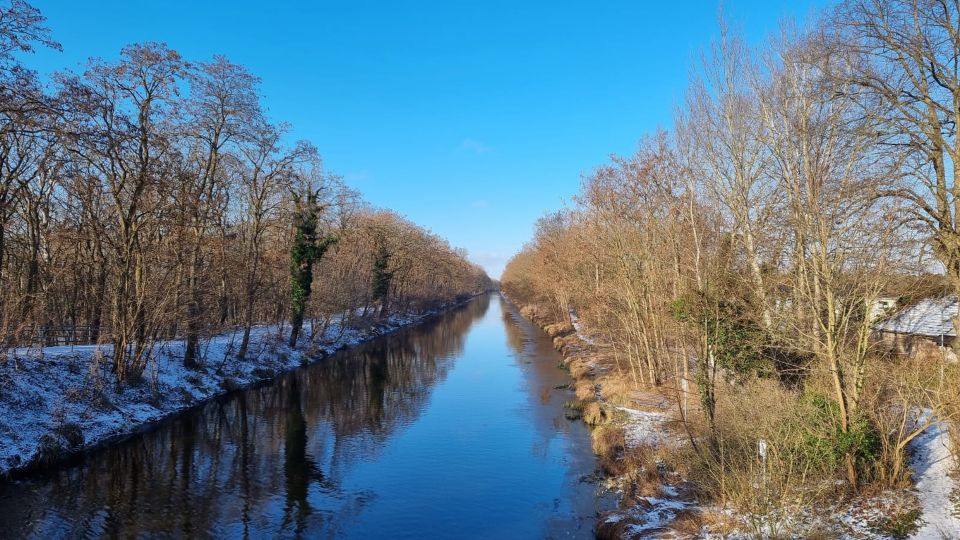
x: 150, y: 197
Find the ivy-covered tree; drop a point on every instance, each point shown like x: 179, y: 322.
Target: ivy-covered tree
x: 307, y: 249
x: 731, y: 342
x: 382, y: 276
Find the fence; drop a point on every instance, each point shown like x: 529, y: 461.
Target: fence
x: 49, y: 335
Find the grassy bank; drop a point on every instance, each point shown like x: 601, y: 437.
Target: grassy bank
x: 651, y: 444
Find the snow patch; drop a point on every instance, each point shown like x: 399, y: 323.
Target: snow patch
x: 645, y: 428
x: 651, y: 517
x: 932, y: 463
x: 578, y: 327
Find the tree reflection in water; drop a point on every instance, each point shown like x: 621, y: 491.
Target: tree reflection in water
x: 261, y: 462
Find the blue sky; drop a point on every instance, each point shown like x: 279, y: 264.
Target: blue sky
x: 470, y: 118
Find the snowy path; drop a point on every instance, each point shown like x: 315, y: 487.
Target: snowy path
x: 932, y: 464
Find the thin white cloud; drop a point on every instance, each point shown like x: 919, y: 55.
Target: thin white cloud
x: 475, y: 146
x: 491, y: 261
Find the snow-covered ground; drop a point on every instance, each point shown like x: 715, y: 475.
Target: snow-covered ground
x: 936, y: 492
x: 939, y: 493
x: 57, y: 398
x: 646, y: 428
x: 578, y: 327
x: 651, y: 516
x: 862, y: 519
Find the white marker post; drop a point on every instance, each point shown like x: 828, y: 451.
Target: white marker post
x: 762, y: 451
x: 685, y: 387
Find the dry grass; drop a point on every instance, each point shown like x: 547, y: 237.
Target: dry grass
x: 579, y: 368
x: 646, y: 468
x: 688, y: 523
x: 730, y: 470
x: 616, y: 389
x: 609, y: 444
x: 583, y: 388
x: 562, y: 328
x: 612, y: 531
x: 719, y: 523
x: 530, y: 312
x: 594, y: 414
x: 727, y: 470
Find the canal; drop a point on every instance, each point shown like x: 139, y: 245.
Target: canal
x: 450, y: 429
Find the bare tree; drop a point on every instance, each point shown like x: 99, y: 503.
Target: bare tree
x: 128, y: 196
x: 264, y: 176
x: 910, y: 80
x: 222, y: 107
x: 827, y: 161
x: 25, y: 115
x: 728, y: 154
x: 119, y: 126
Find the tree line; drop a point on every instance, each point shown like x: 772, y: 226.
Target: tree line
x: 151, y: 197
x: 745, y: 248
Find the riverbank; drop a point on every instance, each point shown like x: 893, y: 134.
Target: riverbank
x: 633, y: 430
x: 59, y: 402
x: 639, y: 437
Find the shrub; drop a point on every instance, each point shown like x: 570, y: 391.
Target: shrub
x: 828, y: 443
x: 735, y: 337
x: 801, y: 453
x: 263, y: 373
x: 49, y: 450
x: 65, y: 437
x: 900, y: 525
x: 72, y: 435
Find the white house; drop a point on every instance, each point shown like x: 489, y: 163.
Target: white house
x: 930, y: 320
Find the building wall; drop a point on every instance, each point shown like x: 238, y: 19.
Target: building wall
x: 913, y: 345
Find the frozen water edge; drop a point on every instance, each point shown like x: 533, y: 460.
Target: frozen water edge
x: 45, y: 390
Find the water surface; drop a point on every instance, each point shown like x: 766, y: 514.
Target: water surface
x: 452, y: 429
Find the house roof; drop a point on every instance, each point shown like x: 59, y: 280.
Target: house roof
x: 931, y: 317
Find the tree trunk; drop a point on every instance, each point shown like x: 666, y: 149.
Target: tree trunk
x: 190, y: 355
